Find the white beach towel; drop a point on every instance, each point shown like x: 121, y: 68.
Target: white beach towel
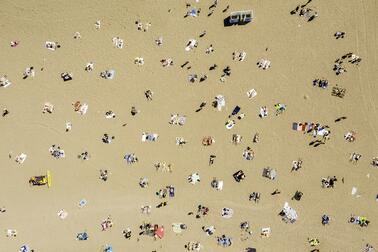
x: 4, y: 82
x: 21, y: 158
x: 83, y: 109
x: 251, y: 93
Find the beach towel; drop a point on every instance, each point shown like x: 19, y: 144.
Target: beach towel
x: 227, y: 213
x: 50, y: 45
x: 48, y: 107
x: 290, y: 215
x: 62, y: 214
x: 299, y: 126
x: 220, y: 102
x: 82, y: 236
x: 263, y: 112
x: 230, y: 124
x: 191, y: 44
x: 82, y: 203
x: 220, y: 185
x: 251, y: 93
x: 108, y: 74
x: 25, y: 248
x: 83, y: 109
x: 193, y: 12
x: 176, y: 228
x: 118, y: 42
x: 21, y: 158
x: 11, y: 232
x: 224, y: 241
x: 149, y: 137
x: 108, y: 248
x: 265, y: 232
x: 4, y: 82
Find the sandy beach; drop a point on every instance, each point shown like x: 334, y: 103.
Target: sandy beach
x: 296, y: 53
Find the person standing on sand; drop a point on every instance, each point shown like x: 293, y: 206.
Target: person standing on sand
x: 211, y: 159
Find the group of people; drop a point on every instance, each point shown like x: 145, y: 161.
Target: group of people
x: 288, y: 214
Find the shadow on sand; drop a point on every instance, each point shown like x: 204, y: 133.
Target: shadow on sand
x: 226, y: 22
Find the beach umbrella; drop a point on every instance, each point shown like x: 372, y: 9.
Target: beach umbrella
x: 160, y: 232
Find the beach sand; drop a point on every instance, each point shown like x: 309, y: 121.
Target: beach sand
x: 299, y: 52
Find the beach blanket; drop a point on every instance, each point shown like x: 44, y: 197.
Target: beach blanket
x: 191, y: 44
x: 25, y: 248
